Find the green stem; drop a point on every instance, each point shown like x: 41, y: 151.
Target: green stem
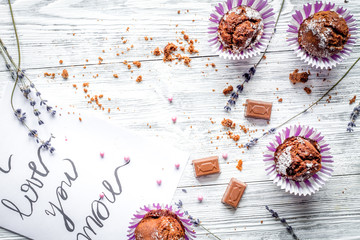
x: 209, y: 232
x: 19, y: 55
x: 322, y: 97
x: 277, y: 20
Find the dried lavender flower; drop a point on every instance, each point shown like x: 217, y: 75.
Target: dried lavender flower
x: 37, y: 112
x: 179, y: 204
x: 32, y: 133
x: 353, y: 116
x: 235, y: 95
x: 23, y: 83
x: 283, y: 221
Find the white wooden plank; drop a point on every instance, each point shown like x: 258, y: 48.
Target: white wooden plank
x: 46, y: 32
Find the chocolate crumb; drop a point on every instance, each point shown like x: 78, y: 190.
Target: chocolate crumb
x: 228, y: 123
x: 168, y: 50
x: 65, y: 74
x: 228, y: 90
x: 139, y: 79
x: 297, y: 76
x: 157, y: 51
x: 307, y: 90
x: 239, y: 165
x: 137, y: 63
x: 351, y: 101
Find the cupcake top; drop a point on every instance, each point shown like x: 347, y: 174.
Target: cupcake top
x: 240, y: 28
x: 323, y: 34
x: 160, y: 224
x: 298, y: 158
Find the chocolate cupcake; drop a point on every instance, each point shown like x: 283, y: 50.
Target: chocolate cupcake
x: 240, y: 29
x: 160, y: 224
x: 323, y: 34
x: 297, y: 158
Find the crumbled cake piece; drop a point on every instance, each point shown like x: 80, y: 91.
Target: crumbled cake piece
x: 65, y: 74
x: 228, y: 123
x: 228, y: 90
x: 307, y: 90
x: 139, y: 79
x: 157, y: 51
x: 297, y: 76
x: 351, y: 101
x: 137, y: 63
x: 168, y: 51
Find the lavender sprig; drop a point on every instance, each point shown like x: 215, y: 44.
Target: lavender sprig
x: 25, y: 88
x: 351, y: 124
x: 251, y: 72
x: 353, y: 116
x: 283, y: 221
x: 239, y: 88
x: 18, y: 77
x: 195, y: 221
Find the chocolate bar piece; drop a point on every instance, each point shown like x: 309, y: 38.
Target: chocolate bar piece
x: 258, y: 109
x: 234, y: 192
x: 206, y: 166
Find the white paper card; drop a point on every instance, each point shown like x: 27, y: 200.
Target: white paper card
x: 56, y: 196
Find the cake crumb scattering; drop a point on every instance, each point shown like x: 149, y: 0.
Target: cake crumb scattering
x: 157, y: 51
x: 228, y: 90
x: 168, y: 50
x: 307, y: 90
x: 139, y: 79
x: 297, y: 76
x: 351, y: 101
x: 65, y: 74
x: 137, y: 63
x: 227, y: 123
x: 239, y: 165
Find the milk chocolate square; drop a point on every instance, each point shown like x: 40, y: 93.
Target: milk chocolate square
x: 258, y: 109
x: 206, y: 166
x: 234, y: 192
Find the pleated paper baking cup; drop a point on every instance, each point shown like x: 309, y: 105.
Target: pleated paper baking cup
x: 314, y: 183
x: 139, y: 215
x: 308, y: 10
x: 267, y: 15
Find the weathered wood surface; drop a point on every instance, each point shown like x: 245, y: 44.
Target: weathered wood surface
x: 46, y: 31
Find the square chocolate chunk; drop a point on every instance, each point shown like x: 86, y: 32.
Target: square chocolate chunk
x: 258, y: 109
x: 234, y: 192
x: 206, y: 166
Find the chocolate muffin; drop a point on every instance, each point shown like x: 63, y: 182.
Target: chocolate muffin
x: 323, y: 34
x: 160, y: 224
x: 298, y: 158
x: 240, y: 28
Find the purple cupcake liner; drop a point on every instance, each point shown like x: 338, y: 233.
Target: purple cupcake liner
x: 308, y: 10
x: 139, y: 215
x: 267, y: 14
x: 310, y: 185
